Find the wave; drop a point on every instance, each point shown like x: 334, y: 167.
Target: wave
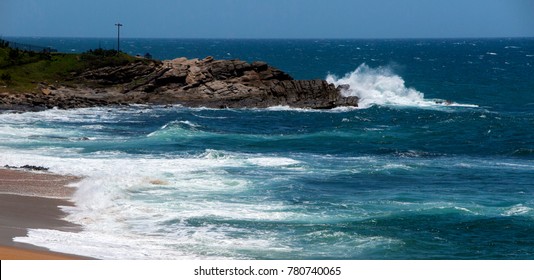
x: 380, y: 86
x: 523, y: 152
x: 304, y: 110
x: 177, y: 128
x: 180, y: 207
x: 517, y: 210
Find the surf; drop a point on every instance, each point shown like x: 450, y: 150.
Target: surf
x: 381, y: 86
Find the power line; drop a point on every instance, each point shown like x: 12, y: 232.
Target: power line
x: 118, y: 37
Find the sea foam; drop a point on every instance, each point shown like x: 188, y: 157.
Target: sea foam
x: 378, y: 86
x: 381, y: 86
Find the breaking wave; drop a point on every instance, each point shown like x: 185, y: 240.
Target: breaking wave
x: 380, y: 86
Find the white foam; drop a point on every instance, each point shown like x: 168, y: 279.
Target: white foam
x: 393, y: 166
x: 517, y: 210
x: 287, y: 108
x: 84, y: 115
x: 181, y: 245
x: 380, y: 86
x: 528, y: 165
x: 135, y: 196
x: 340, y: 109
x: 186, y: 128
x: 272, y: 161
x: 188, y: 123
x: 210, y: 117
x: 454, y: 104
x: 445, y: 206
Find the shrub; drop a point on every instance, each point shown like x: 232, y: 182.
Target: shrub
x: 101, y: 58
x: 14, y: 54
x: 6, y: 77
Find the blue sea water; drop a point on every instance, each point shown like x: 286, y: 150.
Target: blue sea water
x: 437, y: 163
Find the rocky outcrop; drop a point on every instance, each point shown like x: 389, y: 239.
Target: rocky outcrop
x: 235, y: 83
x: 190, y: 82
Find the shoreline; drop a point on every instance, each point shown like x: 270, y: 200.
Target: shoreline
x: 33, y: 200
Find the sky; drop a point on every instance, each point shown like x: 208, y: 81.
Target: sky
x: 268, y: 18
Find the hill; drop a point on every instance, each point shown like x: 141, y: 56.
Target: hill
x: 24, y: 71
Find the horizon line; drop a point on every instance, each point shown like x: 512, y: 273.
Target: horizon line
x: 273, y: 38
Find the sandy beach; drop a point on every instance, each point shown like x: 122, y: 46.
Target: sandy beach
x: 32, y: 200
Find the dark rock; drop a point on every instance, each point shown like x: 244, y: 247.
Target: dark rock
x: 34, y: 168
x: 27, y: 167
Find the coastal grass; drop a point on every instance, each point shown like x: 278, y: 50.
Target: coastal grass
x: 23, y: 71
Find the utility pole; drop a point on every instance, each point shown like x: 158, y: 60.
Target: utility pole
x: 118, y: 37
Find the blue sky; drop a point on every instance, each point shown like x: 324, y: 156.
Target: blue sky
x: 268, y: 18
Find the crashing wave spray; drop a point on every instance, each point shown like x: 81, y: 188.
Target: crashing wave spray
x: 380, y: 86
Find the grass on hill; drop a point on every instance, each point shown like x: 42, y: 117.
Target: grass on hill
x: 22, y: 71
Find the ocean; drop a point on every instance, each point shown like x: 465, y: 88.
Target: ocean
x: 436, y: 163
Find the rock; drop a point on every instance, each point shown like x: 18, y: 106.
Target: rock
x: 235, y: 83
x: 34, y: 168
x: 120, y: 74
x: 190, y: 82
x: 158, y: 182
x: 46, y: 91
x: 27, y: 167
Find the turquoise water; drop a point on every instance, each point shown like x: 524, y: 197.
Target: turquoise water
x: 437, y: 164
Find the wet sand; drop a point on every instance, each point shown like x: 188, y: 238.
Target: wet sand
x: 32, y: 200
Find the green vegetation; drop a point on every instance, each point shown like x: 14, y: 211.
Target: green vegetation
x: 22, y: 71
x: 101, y: 58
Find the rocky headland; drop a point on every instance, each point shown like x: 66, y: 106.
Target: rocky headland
x: 190, y: 82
